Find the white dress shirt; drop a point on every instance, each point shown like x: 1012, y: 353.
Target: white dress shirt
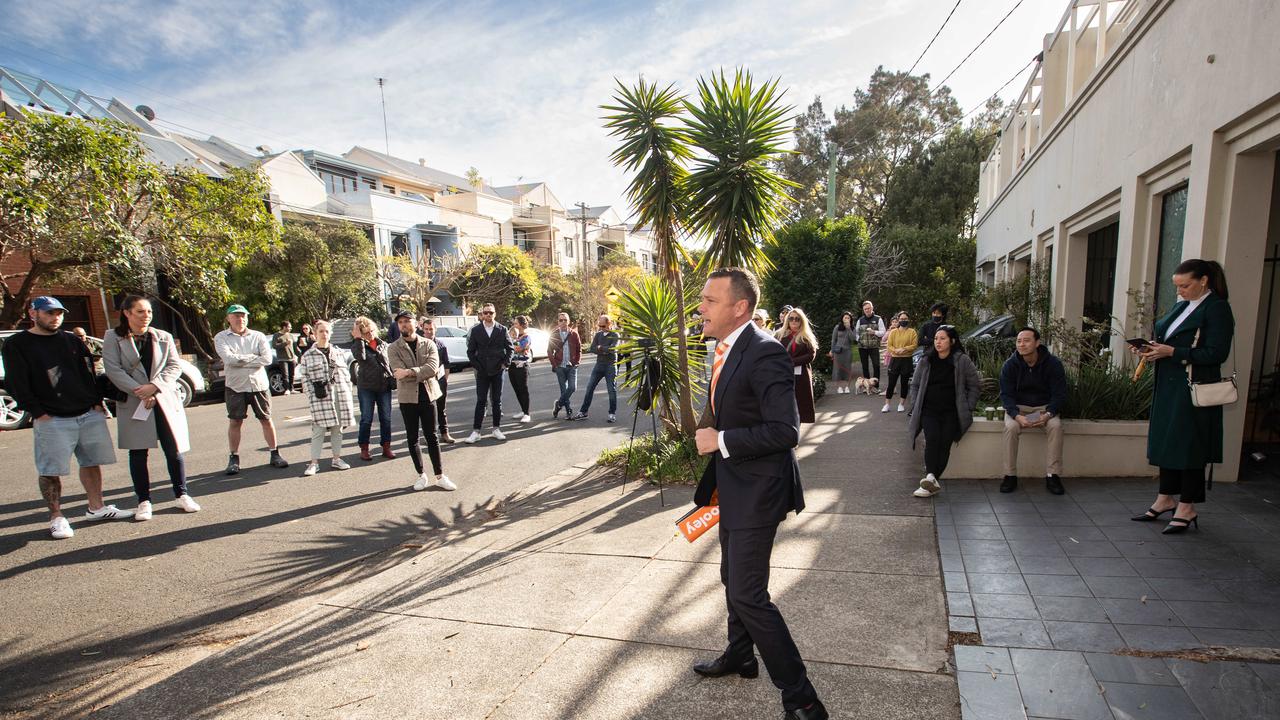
x: 730, y: 340
x: 1186, y: 313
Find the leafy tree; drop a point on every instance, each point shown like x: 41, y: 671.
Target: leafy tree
x: 502, y: 275
x: 807, y: 165
x: 817, y: 265
x: 473, y: 178
x: 79, y: 199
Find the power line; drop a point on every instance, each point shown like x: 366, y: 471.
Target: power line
x: 935, y: 37
x: 983, y: 104
x: 944, y: 80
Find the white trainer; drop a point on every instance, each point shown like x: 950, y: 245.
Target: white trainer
x: 930, y: 484
x: 922, y: 493
x: 188, y: 504
x: 473, y: 438
x: 497, y: 434
x: 443, y: 482
x: 524, y: 418
x: 108, y: 512
x: 312, y: 469
x: 885, y: 409
x: 423, y: 482
x: 339, y: 464
x: 60, y: 528
x: 143, y: 513
x: 901, y: 408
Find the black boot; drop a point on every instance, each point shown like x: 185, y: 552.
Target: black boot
x: 1009, y: 484
x: 1054, y: 484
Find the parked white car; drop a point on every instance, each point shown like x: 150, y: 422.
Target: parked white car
x: 11, y: 418
x: 455, y: 341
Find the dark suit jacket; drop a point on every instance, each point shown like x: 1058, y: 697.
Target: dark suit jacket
x: 756, y: 408
x: 489, y: 354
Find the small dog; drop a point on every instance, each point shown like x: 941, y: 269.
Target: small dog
x: 864, y: 386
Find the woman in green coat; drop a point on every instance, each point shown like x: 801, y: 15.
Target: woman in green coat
x: 1183, y: 439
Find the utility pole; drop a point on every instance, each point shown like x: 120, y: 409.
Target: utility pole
x: 386, y: 138
x: 583, y: 207
x: 831, y: 184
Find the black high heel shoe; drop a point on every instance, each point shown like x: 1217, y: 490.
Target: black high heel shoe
x: 1148, y: 516
x: 1178, y: 525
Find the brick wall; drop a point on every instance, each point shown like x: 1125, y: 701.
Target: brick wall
x: 84, y: 305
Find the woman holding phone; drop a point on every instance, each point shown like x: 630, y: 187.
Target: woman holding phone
x: 1191, y: 343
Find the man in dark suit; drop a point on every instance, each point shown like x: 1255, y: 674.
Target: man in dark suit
x: 751, y: 428
x: 489, y: 349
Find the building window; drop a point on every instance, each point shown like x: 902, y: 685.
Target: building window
x: 370, y: 183
x: 1100, y: 273
x: 569, y: 242
x: 1173, y: 221
x: 521, y: 238
x: 390, y: 189
x: 399, y: 244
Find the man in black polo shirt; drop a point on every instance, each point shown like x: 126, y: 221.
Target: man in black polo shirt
x: 49, y: 372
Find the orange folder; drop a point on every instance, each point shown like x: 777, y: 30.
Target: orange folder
x: 700, y: 519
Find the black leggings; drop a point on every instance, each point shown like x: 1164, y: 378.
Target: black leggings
x: 1187, y: 484
x: 520, y: 383
x: 421, y: 414
x: 941, y: 431
x: 138, y: 471
x: 899, y: 367
x: 870, y: 362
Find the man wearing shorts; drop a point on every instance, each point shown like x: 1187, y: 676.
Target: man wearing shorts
x: 49, y: 372
x: 245, y: 356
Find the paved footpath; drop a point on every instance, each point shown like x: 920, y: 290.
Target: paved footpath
x: 580, y: 600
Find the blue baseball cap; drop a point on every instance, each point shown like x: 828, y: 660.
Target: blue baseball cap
x: 47, y: 303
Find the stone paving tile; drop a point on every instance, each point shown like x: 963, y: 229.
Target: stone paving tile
x: 959, y: 623
x: 977, y: 658
x: 1230, y: 691
x: 1134, y: 549
x: 1028, y: 532
x: 1036, y: 548
x: 1213, y: 615
x: 1058, y: 685
x: 1120, y: 587
x: 1220, y: 569
x: 1175, y: 568
x: 1075, y: 609
x: 1157, y: 637
x: 1078, y: 533
x: 1046, y: 566
x: 1017, y: 607
x: 1233, y: 638
x: 1131, y: 670
x: 1022, y: 520
x: 997, y: 583
x: 1014, y: 633
x: 1062, y: 585
x: 983, y: 697
x: 1067, y: 518
x: 1128, y: 611
x: 984, y: 547
x: 952, y: 562
x: 979, y: 532
x: 1149, y: 701
x: 1090, y: 636
x: 1089, y: 549
x: 1180, y: 589
x: 959, y: 603
x: 1270, y: 674
x: 1135, y: 532
x: 991, y: 564
x: 955, y: 582
x: 1104, y: 567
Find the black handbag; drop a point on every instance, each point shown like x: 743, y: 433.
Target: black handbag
x: 109, y: 391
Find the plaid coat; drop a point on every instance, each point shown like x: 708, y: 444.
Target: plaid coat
x: 336, y: 408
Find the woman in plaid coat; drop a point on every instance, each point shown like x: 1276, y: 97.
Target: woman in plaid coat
x: 327, y: 383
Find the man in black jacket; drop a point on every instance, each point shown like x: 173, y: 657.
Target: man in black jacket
x: 49, y: 373
x: 1033, y: 390
x: 489, y: 349
x: 751, y: 428
x: 937, y: 318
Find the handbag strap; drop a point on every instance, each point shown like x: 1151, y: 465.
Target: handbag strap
x: 1196, y: 342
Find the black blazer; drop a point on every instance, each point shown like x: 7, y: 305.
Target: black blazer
x: 756, y: 409
x: 489, y: 354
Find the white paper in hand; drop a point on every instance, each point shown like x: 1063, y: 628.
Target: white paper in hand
x: 1033, y: 417
x: 143, y: 413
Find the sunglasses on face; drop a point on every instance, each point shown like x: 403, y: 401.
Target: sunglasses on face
x: 486, y: 312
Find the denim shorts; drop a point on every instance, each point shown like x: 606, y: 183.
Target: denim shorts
x: 56, y: 438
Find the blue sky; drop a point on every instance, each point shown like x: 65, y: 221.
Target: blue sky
x: 510, y: 88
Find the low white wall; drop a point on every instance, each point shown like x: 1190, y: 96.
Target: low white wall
x: 1090, y: 448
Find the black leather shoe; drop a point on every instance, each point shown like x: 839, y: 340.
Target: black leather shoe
x: 1054, y: 484
x: 1009, y: 484
x: 814, y: 712
x: 722, y: 666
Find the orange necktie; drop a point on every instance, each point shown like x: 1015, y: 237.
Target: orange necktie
x: 721, y: 350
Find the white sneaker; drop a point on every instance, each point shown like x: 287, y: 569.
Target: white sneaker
x: 60, y: 528
x: 423, y: 482
x: 473, y: 438
x: 143, y: 513
x: 188, y: 504
x: 524, y: 418
x: 900, y: 408
x: 312, y: 469
x: 497, y: 434
x: 885, y: 409
x: 108, y: 512
x: 930, y: 484
x: 339, y: 464
x: 922, y: 493
x: 443, y: 482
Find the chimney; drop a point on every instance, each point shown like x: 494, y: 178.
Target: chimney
x: 422, y: 162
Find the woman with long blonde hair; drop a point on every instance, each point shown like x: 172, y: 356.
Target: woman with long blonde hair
x: 800, y: 342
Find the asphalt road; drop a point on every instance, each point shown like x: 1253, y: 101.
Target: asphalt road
x: 74, y: 610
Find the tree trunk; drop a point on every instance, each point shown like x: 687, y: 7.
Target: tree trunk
x: 688, y: 423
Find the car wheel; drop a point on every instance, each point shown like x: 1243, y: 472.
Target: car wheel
x: 185, y: 393
x: 275, y: 380
x: 11, y: 418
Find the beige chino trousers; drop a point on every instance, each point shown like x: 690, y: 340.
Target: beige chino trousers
x: 1012, y: 432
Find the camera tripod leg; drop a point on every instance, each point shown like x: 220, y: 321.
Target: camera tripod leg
x: 626, y: 466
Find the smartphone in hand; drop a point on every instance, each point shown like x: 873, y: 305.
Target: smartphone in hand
x: 1139, y: 344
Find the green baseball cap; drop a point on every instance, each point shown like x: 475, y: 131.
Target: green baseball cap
x: 237, y: 309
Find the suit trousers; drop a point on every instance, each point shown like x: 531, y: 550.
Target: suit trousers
x: 489, y: 386
x: 1187, y: 484
x: 442, y: 418
x: 870, y: 358
x: 753, y: 618
x: 1053, y: 448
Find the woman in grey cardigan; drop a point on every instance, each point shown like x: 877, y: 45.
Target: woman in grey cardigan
x: 843, y: 338
x: 944, y: 391
x: 143, y: 362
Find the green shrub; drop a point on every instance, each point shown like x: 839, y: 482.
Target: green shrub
x: 677, y: 461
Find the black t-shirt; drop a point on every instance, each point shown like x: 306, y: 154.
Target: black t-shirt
x: 412, y: 342
x: 146, y: 350
x: 940, y: 395
x: 50, y: 374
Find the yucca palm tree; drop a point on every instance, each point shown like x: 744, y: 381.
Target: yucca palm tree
x: 656, y: 149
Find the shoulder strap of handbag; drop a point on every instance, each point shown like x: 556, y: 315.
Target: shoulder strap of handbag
x: 1195, y: 342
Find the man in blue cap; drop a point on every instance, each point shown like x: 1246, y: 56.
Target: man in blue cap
x: 49, y: 372
x: 245, y: 356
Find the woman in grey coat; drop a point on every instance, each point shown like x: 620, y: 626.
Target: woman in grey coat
x: 944, y: 390
x: 143, y: 363
x: 843, y: 338
x: 327, y: 383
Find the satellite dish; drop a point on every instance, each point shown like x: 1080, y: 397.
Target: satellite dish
x: 146, y: 112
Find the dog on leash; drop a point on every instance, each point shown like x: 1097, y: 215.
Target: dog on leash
x: 865, y: 386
